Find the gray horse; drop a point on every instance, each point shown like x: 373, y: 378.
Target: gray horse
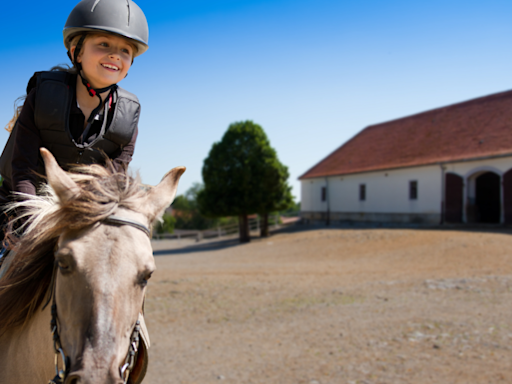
x: 82, y: 265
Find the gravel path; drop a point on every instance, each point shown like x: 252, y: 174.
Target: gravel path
x: 322, y: 306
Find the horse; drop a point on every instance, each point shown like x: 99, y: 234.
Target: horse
x: 72, y: 296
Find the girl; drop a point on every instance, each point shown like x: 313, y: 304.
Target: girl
x: 80, y: 114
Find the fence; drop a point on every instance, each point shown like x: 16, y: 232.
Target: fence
x: 220, y: 231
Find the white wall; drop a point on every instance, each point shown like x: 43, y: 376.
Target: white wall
x: 469, y: 168
x: 386, y: 192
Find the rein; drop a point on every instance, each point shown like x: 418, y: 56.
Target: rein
x: 129, y: 362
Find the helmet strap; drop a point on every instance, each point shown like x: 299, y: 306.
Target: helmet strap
x: 78, y: 48
x: 92, y: 91
x: 96, y: 92
x: 96, y: 111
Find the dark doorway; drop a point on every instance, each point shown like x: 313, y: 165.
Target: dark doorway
x: 488, y: 201
x: 453, y: 198
x: 507, y: 196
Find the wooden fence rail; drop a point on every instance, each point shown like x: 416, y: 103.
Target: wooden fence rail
x: 220, y: 231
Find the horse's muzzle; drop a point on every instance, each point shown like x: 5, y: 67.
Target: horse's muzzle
x: 79, y: 377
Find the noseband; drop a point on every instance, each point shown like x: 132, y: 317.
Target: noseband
x: 124, y: 371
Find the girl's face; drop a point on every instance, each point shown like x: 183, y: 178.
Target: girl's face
x: 105, y: 59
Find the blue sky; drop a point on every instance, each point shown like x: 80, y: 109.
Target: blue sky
x: 312, y: 73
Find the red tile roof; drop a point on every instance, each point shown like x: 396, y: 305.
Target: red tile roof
x: 472, y: 129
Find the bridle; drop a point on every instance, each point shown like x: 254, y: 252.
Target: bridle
x: 129, y: 362
x: 116, y: 220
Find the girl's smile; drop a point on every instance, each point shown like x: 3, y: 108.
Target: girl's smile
x: 105, y: 59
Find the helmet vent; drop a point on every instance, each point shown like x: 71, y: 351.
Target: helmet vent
x: 94, y: 5
x: 128, y: 5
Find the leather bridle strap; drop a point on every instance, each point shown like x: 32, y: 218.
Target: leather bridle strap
x: 60, y: 374
x: 116, y: 220
x: 127, y: 367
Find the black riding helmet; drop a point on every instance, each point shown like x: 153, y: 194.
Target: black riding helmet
x: 120, y: 17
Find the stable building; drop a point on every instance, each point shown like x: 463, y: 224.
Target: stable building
x: 451, y: 164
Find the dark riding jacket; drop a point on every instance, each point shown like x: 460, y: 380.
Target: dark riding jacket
x: 51, y: 118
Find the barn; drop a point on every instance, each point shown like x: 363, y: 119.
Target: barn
x: 448, y: 165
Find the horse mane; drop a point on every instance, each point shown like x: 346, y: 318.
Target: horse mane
x: 44, y: 218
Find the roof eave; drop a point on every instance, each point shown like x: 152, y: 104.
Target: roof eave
x: 440, y: 162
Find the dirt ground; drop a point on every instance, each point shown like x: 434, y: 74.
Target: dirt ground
x: 366, y: 306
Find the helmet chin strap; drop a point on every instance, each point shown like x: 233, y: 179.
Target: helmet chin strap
x: 92, y: 91
x: 96, y: 92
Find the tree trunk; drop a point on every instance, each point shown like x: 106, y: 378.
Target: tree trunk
x: 243, y: 225
x: 264, y: 225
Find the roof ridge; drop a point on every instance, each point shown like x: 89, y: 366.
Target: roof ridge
x: 475, y: 100
x: 452, y: 131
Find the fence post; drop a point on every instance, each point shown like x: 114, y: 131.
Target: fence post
x: 276, y: 223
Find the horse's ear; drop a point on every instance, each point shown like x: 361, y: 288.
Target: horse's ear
x: 162, y: 195
x: 64, y: 187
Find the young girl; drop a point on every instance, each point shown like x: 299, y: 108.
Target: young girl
x: 80, y: 114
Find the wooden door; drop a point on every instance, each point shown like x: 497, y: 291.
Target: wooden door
x: 453, y: 198
x: 507, y: 196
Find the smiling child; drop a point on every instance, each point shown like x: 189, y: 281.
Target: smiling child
x: 80, y: 114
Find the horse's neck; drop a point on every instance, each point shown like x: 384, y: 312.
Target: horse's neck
x: 26, y: 353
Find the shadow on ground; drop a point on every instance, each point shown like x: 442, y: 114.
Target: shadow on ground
x: 212, y: 244
x: 505, y: 229
x: 200, y: 247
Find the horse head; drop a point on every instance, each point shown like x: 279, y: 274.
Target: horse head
x: 101, y: 269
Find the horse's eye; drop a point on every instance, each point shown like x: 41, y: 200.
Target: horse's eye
x: 63, y: 266
x: 64, y: 261
x: 145, y: 278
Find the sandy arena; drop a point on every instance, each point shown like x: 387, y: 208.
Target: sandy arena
x: 329, y: 306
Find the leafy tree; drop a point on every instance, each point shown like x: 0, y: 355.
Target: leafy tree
x: 279, y: 196
x: 242, y: 175
x: 166, y: 225
x: 293, y: 210
x: 187, y: 212
x: 188, y: 201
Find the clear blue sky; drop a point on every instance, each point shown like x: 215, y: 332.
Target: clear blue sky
x: 312, y: 73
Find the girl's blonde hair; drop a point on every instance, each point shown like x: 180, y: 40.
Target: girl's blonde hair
x: 17, y: 110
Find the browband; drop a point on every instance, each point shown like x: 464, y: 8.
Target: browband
x: 116, y: 220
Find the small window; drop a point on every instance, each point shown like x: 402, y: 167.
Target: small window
x: 324, y: 193
x: 413, y: 190
x: 362, y: 192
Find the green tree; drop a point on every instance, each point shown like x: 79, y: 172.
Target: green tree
x: 292, y: 211
x: 279, y: 196
x: 242, y: 175
x: 166, y: 225
x: 187, y: 212
x: 188, y: 201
